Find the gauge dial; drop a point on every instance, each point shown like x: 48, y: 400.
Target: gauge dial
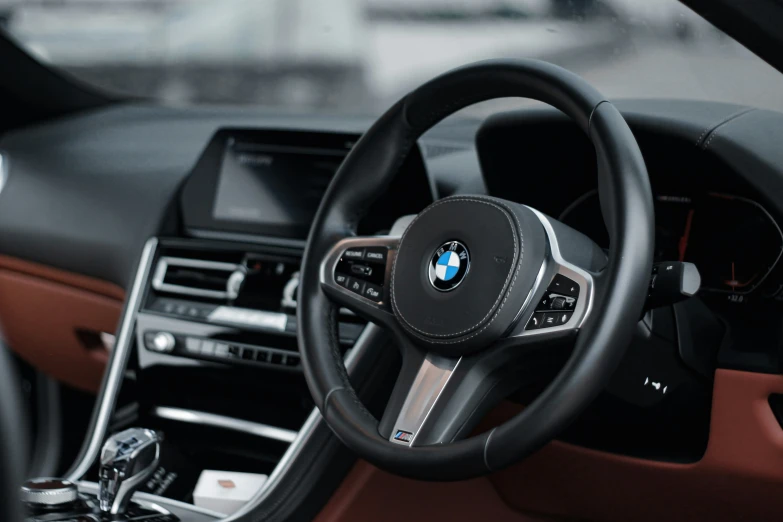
x: 733, y: 241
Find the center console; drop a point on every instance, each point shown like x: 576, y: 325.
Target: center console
x: 206, y: 355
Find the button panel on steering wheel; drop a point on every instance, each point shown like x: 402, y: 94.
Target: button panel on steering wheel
x: 557, y: 305
x: 362, y: 271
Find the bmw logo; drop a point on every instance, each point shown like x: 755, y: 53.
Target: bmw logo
x: 449, y: 265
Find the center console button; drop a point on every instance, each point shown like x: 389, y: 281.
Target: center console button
x: 162, y: 342
x: 48, y: 493
x: 193, y: 345
x: 208, y: 348
x: 221, y: 349
x: 355, y: 254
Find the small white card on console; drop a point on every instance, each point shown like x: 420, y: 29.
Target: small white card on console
x: 226, y: 491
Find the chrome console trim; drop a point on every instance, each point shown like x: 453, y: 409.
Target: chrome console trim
x: 305, y: 432
x: 3, y: 171
x: 153, y: 502
x: 113, y: 381
x: 257, y: 319
x: 116, y: 368
x: 221, y: 421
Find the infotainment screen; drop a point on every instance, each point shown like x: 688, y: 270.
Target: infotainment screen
x: 265, y: 185
x: 272, y: 185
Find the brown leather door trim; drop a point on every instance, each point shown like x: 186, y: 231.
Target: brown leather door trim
x: 55, y: 275
x: 740, y: 477
x: 44, y: 313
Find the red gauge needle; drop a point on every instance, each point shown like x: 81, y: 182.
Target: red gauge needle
x: 734, y: 284
x: 683, y: 246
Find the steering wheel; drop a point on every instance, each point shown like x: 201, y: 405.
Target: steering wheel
x: 461, y: 289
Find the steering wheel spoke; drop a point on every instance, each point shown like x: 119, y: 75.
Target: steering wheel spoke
x: 439, y: 399
x: 423, y: 380
x: 561, y: 299
x: 356, y: 273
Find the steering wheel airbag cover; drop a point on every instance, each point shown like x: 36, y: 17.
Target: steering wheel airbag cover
x: 507, y: 245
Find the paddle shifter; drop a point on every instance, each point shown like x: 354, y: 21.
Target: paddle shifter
x: 128, y: 459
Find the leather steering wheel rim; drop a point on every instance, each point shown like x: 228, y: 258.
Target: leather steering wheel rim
x: 626, y: 202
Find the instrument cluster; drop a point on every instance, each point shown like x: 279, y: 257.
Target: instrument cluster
x: 734, y: 241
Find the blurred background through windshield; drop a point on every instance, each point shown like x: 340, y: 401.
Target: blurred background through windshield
x: 359, y: 56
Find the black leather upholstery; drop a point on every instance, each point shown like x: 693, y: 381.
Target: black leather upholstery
x: 627, y: 203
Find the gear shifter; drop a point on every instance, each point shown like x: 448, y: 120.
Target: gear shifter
x: 128, y: 458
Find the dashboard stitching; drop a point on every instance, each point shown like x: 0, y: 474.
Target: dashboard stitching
x: 507, y: 291
x: 703, y: 134
x: 711, y: 131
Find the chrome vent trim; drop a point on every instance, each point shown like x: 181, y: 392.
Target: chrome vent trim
x: 159, y: 284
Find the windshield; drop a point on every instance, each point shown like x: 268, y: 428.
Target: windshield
x: 359, y: 56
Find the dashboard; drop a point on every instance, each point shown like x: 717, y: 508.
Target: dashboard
x: 229, y: 194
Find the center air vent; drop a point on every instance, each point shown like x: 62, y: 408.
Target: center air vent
x: 196, y: 277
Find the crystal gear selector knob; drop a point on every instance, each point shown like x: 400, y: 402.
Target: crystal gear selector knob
x: 128, y: 459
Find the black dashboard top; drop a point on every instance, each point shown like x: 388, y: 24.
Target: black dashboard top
x: 105, y: 181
